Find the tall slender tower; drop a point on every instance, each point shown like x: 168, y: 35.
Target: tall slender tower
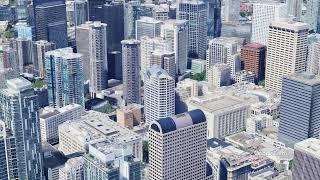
x: 287, y: 51
x: 64, y: 77
x: 131, y: 71
x: 39, y: 50
x: 263, y: 14
x: 92, y: 43
x: 176, y: 33
x: 195, y: 12
x: 178, y: 147
x: 20, y: 112
x: 159, y: 94
x: 313, y: 60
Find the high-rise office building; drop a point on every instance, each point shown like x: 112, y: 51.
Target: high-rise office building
x: 24, y: 30
x: 294, y: 8
x: 3, y: 151
x: 165, y: 60
x: 306, y: 161
x: 263, y: 14
x: 51, y: 23
x: 130, y: 116
x: 161, y: 12
x: 115, y: 65
x: 287, y: 51
x: 195, y: 12
x: 77, y: 12
x: 159, y: 94
x: 92, y: 42
x: 39, y: 49
x: 231, y: 11
x: 223, y: 50
x: 72, y: 169
x: 313, y: 59
x: 253, y: 59
x: 20, y: 112
x: 148, y: 45
x: 8, y: 58
x: 131, y: 71
x: 64, y: 77
x: 178, y: 147
x: 310, y: 14
x: 299, y: 118
x: 23, y: 49
x: 176, y: 33
x: 131, y: 14
x: 219, y: 75
x: 147, y: 26
x: 214, y: 18
x: 21, y: 9
x: 114, y: 18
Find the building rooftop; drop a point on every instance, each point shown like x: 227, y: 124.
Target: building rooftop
x: 146, y: 19
x: 130, y: 42
x: 254, y: 46
x: 217, y: 104
x: 96, y: 127
x: 179, y: 121
x: 310, y: 146
x: 19, y: 84
x: 66, y: 53
x: 305, y: 78
x: 50, y: 111
x: 291, y: 24
x: 157, y: 72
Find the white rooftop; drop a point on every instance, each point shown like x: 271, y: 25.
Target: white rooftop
x: 66, y: 53
x: 310, y: 146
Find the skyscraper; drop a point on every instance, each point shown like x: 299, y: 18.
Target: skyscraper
x: 97, y: 53
x: 92, y: 43
x: 77, y: 12
x: 131, y: 71
x: 23, y: 49
x: 159, y: 94
x: 178, y: 147
x: 253, y: 59
x: 131, y: 14
x: 39, y: 50
x: 299, y: 117
x: 263, y: 14
x: 294, y: 8
x: 306, y: 160
x: 176, y: 33
x: 114, y: 18
x: 21, y: 9
x: 20, y: 112
x: 164, y: 59
x: 219, y: 75
x: 195, y: 12
x: 287, y: 51
x: 51, y: 23
x: 214, y: 18
x: 231, y: 10
x: 147, y: 26
x: 313, y: 59
x: 64, y: 77
x: 148, y: 45
x: 310, y: 15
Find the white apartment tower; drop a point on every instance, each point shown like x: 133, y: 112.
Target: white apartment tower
x: 176, y: 32
x: 263, y: 14
x: 195, y: 12
x: 287, y: 51
x: 95, y: 54
x: 223, y: 50
x: 148, y: 45
x: 178, y: 147
x: 131, y: 70
x: 159, y: 94
x: 147, y: 26
x: 313, y: 59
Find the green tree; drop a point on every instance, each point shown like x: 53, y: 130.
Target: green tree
x: 39, y: 83
x: 262, y: 83
x: 145, y: 151
x: 199, y: 76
